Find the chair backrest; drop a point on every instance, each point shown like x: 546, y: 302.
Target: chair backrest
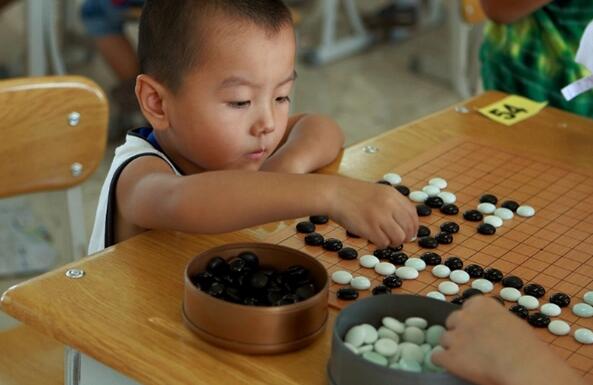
x: 54, y: 132
x: 472, y: 11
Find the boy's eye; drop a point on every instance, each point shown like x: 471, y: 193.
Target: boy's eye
x: 240, y: 104
x: 283, y: 99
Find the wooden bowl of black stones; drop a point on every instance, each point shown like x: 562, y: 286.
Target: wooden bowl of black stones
x: 256, y: 298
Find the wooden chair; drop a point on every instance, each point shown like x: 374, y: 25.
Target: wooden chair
x: 54, y: 132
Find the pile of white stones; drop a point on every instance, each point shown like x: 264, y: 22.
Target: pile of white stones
x: 407, y: 345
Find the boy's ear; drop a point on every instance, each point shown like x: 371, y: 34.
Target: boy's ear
x: 151, y: 97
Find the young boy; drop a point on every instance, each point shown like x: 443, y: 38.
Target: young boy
x: 222, y: 153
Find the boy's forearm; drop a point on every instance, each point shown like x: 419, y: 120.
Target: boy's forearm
x: 223, y: 201
x: 509, y: 11
x: 314, y: 141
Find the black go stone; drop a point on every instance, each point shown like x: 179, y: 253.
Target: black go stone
x: 423, y: 231
x: 512, y: 281
x: 473, y: 216
x: 392, y: 281
x: 450, y: 209
x: 202, y: 280
x: 454, y: 263
x: 535, y: 290
x: 305, y: 227
x: 539, y: 320
x: 348, y: 253
x: 468, y: 293
x: 399, y: 258
x: 493, y: 275
x: 489, y: 198
x: 251, y: 259
x: 520, y: 311
x: 498, y: 299
x: 259, y: 280
x: 314, y: 239
x: 474, y: 271
x: 560, y: 299
x: 384, y: 182
x: 423, y: 210
x: 428, y: 243
x: 332, y: 244
x: 217, y: 266
x: 403, y: 190
x: 351, y: 235
x: 450, y: 227
x: 459, y: 300
x: 381, y: 289
x: 434, y: 202
x: 319, y: 219
x: 511, y: 205
x: 347, y: 293
x: 237, y: 266
x: 444, y: 238
x: 430, y: 258
x: 305, y: 291
x: 486, y: 229
x: 396, y: 248
x: 217, y: 289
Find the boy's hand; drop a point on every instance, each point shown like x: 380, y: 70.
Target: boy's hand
x: 488, y: 345
x: 373, y: 211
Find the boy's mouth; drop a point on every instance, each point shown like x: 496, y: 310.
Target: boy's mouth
x: 258, y: 154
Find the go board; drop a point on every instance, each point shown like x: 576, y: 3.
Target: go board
x: 554, y: 248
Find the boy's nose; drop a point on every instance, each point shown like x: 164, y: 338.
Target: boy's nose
x: 264, y: 125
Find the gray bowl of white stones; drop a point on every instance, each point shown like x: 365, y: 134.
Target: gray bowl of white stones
x: 389, y: 339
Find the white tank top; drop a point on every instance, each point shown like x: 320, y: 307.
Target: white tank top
x: 138, y: 143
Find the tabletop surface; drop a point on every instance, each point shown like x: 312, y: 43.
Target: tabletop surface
x: 125, y: 311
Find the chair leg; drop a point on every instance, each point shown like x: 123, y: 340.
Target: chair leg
x: 459, y: 37
x: 71, y: 366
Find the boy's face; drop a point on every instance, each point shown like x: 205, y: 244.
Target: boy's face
x: 232, y: 110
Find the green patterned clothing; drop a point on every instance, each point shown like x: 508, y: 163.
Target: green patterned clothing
x: 534, y: 57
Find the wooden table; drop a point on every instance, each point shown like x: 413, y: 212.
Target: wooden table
x: 125, y: 312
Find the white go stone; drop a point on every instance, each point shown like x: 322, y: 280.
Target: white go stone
x: 438, y: 182
x: 431, y: 366
x: 486, y: 208
x: 368, y: 261
x: 392, y: 178
x: 559, y: 327
x: 459, y: 276
x: 360, y: 283
x: 510, y: 294
x: 342, y: 277
x: 426, y: 348
x: 529, y: 301
x: 525, y: 211
x: 393, y: 324
x: 351, y: 347
x: 448, y: 288
x: 414, y: 335
x: 436, y: 295
x: 385, y: 268
x: 441, y: 271
x: 584, y: 336
x: 504, y: 213
x: 416, y: 263
x: 386, y: 347
x: 407, y: 272
x: 431, y: 191
x: 433, y: 335
x: 588, y: 297
x: 409, y: 366
x: 447, y: 197
x: 355, y: 336
x: 550, y: 309
x: 493, y: 220
x: 418, y: 322
x: 385, y: 332
x: 418, y: 196
x: 411, y: 351
x: 483, y: 285
x: 375, y: 358
x: 365, y: 348
x: 583, y: 310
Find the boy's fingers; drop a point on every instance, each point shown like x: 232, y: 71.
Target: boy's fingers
x: 453, y: 320
x: 394, y: 232
x: 380, y: 239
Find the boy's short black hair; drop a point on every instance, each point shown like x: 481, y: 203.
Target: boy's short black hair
x: 169, y: 41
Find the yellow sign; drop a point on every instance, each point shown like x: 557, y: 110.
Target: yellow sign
x: 512, y: 109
